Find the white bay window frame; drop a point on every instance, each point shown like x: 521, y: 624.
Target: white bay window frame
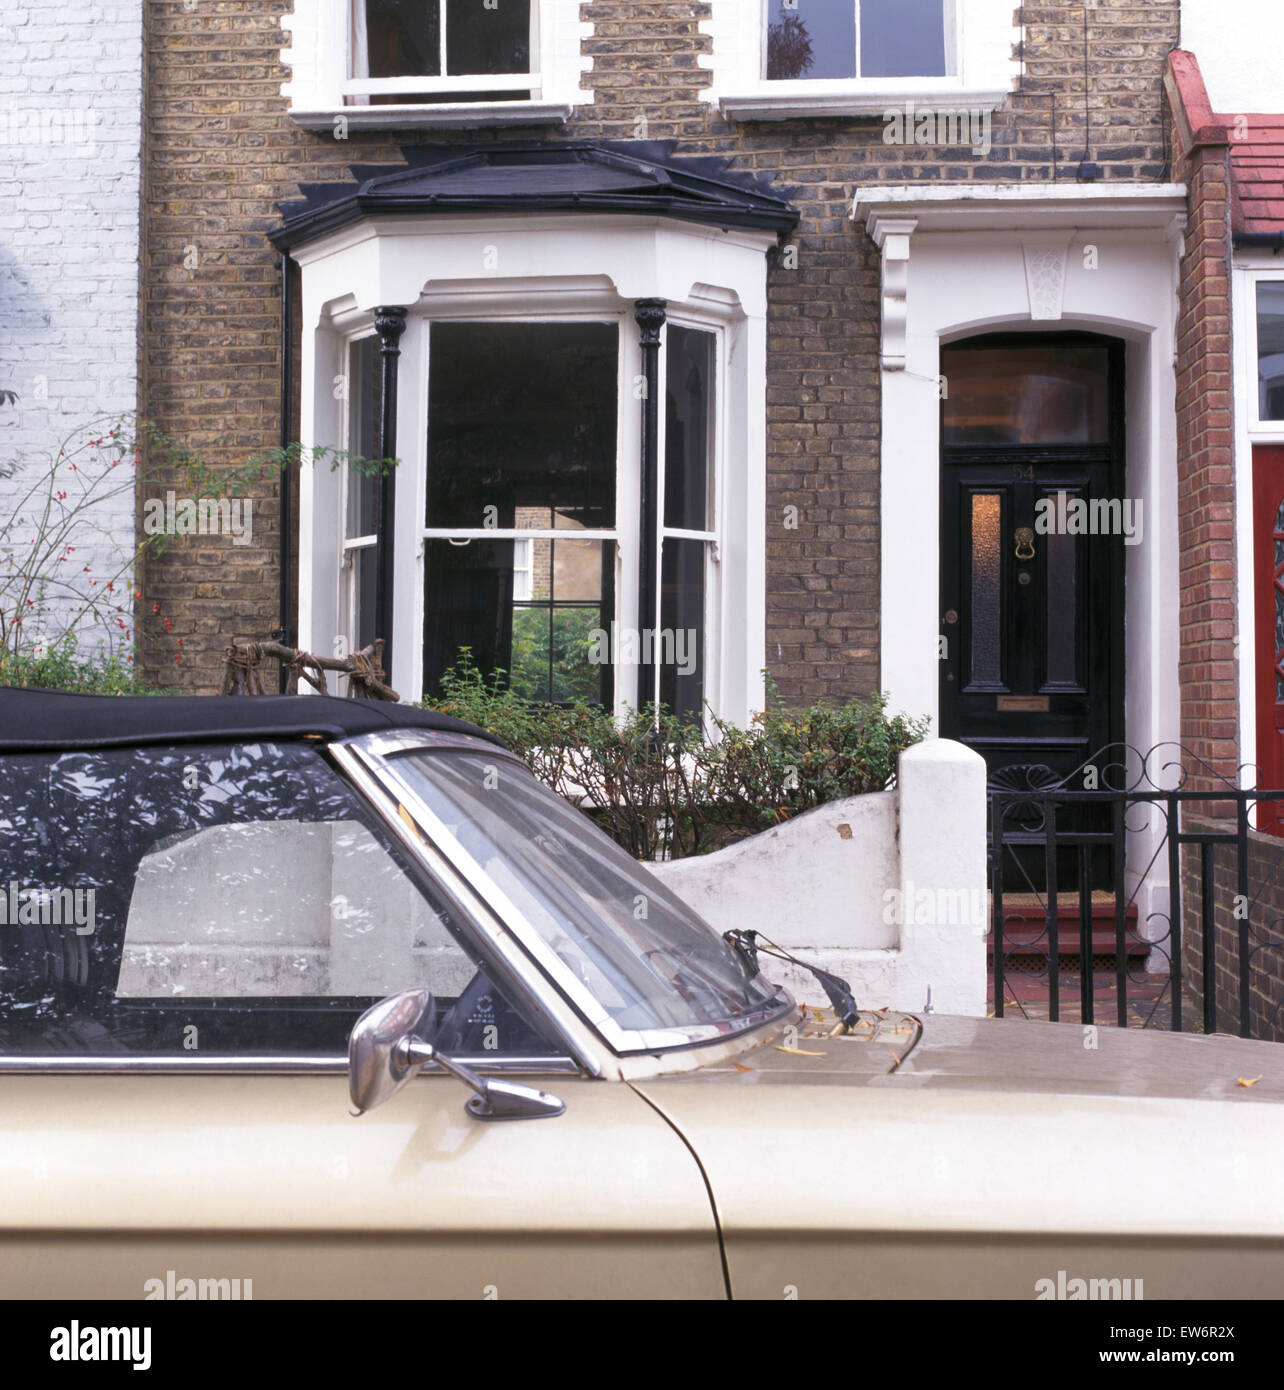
x: 319, y: 57
x: 712, y: 279
x: 982, y: 39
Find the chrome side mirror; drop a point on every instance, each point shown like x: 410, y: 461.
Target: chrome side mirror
x: 384, y: 1052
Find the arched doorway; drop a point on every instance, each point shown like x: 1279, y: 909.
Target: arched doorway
x: 1033, y: 530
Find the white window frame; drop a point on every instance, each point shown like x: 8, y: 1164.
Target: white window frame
x: 625, y: 536
x: 1249, y: 267
x: 986, y: 40
x: 627, y: 473
x: 319, y: 59
x: 575, y: 266
x: 523, y: 571
x: 348, y: 545
x: 1261, y: 431
x: 709, y: 665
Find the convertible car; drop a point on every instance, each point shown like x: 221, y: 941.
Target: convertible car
x: 304, y: 997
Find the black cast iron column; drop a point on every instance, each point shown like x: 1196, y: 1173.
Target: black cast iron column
x: 390, y: 324
x: 650, y: 317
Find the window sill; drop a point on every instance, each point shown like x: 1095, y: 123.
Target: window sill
x: 455, y: 115
x: 766, y: 105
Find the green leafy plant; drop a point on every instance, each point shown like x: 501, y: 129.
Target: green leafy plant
x: 659, y: 787
x: 61, y: 667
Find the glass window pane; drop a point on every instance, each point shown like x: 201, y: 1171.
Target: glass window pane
x: 1062, y: 616
x: 902, y: 38
x: 482, y: 40
x: 1270, y: 349
x: 552, y: 646
x: 679, y: 652
x: 1043, y: 394
x: 522, y: 416
x: 403, y: 39
x: 365, y: 569
x: 364, y: 385
x: 811, y: 38
x: 987, y: 570
x: 243, y: 900
x: 580, y: 892
x: 687, y: 474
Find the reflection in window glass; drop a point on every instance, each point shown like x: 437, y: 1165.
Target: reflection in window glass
x: 817, y: 39
x: 811, y: 38
x: 1062, y: 617
x: 580, y: 892
x: 987, y: 571
x: 549, y: 644
x: 681, y: 648
x: 522, y: 438
x: 521, y: 415
x: 244, y: 901
x: 440, y: 38
x: 402, y: 38
x: 1041, y: 394
x: 687, y: 471
x: 902, y: 38
x: 1270, y: 349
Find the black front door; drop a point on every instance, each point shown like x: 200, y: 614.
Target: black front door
x: 1032, y: 570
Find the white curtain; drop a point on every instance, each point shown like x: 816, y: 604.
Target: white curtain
x: 358, y: 46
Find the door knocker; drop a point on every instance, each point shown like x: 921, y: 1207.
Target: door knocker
x: 1024, y: 543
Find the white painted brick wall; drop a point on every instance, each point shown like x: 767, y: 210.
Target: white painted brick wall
x: 70, y: 133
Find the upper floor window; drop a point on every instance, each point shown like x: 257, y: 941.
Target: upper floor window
x: 452, y: 63
x: 777, y: 59
x: 441, y: 50
x: 859, y: 38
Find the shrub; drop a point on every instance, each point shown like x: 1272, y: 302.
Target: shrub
x: 61, y: 667
x: 660, y: 788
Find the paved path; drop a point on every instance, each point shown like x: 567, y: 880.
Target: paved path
x: 1027, y: 995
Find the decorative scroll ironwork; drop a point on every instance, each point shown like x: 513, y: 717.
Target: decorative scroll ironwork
x: 1155, y: 860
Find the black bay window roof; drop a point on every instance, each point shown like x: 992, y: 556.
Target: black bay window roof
x: 635, y: 177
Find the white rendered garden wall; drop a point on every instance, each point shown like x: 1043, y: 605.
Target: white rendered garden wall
x: 825, y: 884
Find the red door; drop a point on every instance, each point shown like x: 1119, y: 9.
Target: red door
x: 1268, y: 563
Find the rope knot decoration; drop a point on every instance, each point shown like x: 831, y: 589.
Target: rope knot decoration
x: 243, y: 670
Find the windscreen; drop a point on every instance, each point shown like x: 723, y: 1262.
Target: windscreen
x: 648, y: 958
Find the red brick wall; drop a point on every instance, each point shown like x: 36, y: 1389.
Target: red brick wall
x: 1265, y: 919
x: 1205, y: 458
x: 221, y: 151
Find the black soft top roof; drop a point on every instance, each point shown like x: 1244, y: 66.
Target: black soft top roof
x: 53, y: 719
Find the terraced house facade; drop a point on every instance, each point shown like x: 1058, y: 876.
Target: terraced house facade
x: 861, y: 343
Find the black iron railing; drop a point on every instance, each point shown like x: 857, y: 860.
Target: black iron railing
x: 1157, y: 868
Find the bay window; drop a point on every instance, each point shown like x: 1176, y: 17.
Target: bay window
x: 575, y: 391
